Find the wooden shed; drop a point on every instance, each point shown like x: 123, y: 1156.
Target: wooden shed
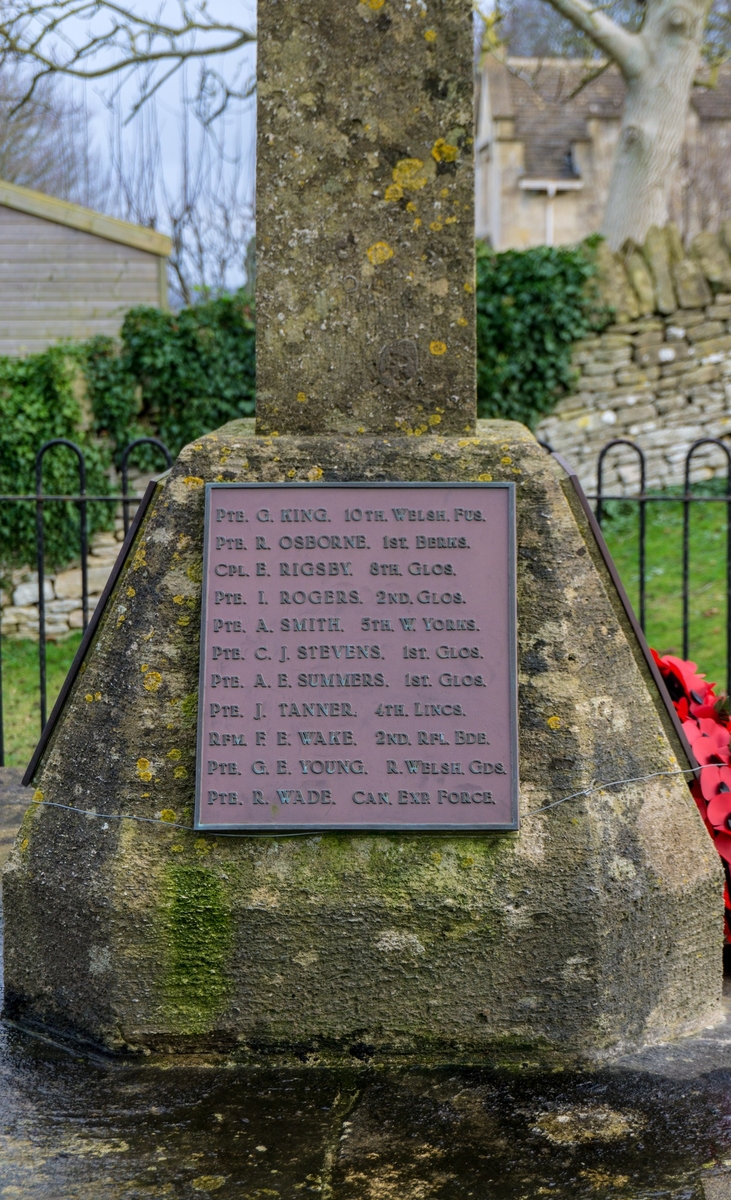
x: 70, y: 272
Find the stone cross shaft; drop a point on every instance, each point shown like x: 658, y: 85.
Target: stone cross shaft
x: 365, y: 221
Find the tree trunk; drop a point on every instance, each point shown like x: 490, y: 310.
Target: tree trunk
x: 659, y: 81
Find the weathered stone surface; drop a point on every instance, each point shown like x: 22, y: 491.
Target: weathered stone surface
x: 590, y: 929
x: 657, y: 253
x: 713, y: 259
x: 27, y: 593
x: 690, y: 285
x: 674, y: 242
x: 365, y: 257
x: 639, y: 277
x: 616, y: 291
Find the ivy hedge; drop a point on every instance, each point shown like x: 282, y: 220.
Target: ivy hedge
x: 172, y: 376
x: 176, y: 376
x: 532, y: 305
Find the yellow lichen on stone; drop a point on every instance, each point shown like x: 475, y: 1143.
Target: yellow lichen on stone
x: 301, y: 398
x: 140, y: 557
x: 144, y: 769
x: 437, y: 348
x: 175, y: 753
x: 485, y: 477
x: 394, y: 191
x: 315, y: 473
x: 38, y: 794
x: 193, y: 481
x: 178, y: 599
x: 180, y: 773
x: 168, y: 814
x: 378, y: 253
x: 431, y: 35
x: 554, y: 722
x: 131, y: 592
x: 443, y: 151
x: 88, y: 697
x: 153, y: 679
x: 183, y: 620
x: 506, y: 460
x: 412, y: 174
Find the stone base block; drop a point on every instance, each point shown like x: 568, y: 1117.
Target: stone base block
x: 595, y: 928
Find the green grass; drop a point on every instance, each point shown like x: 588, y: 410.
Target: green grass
x: 664, y: 549
x: 21, y: 692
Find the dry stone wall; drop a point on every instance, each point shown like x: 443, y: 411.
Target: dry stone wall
x: 62, y: 589
x: 660, y: 374
x: 62, y: 593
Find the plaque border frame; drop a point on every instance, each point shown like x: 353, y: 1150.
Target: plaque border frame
x: 361, y: 830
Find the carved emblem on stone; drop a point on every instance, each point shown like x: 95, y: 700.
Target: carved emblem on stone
x: 398, y: 362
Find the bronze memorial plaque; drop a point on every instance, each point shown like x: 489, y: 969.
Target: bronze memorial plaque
x: 358, y: 658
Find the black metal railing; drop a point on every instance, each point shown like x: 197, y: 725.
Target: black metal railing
x: 83, y: 500
x: 687, y: 498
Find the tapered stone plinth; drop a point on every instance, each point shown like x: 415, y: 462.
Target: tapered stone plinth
x: 596, y: 926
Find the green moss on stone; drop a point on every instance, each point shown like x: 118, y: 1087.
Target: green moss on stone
x: 198, y: 924
x: 189, y: 708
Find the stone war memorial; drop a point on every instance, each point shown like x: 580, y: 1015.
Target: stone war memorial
x: 363, y: 758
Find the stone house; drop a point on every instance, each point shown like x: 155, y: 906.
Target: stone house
x: 69, y: 272
x: 545, y: 146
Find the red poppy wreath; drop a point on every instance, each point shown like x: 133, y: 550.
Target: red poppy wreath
x: 707, y: 725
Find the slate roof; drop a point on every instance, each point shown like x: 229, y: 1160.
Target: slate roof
x: 538, y: 96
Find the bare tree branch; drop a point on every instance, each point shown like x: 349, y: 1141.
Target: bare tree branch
x: 93, y: 40
x: 626, y: 49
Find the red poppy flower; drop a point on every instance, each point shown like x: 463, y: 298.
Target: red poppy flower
x: 709, y: 740
x: 722, y: 842
x: 719, y: 811
x: 683, y: 679
x: 715, y: 781
x: 682, y: 709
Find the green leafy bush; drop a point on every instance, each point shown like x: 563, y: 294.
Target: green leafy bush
x: 176, y: 375
x: 172, y: 376
x: 38, y: 402
x: 532, y: 305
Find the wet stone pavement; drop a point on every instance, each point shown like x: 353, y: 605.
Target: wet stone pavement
x: 656, y: 1124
